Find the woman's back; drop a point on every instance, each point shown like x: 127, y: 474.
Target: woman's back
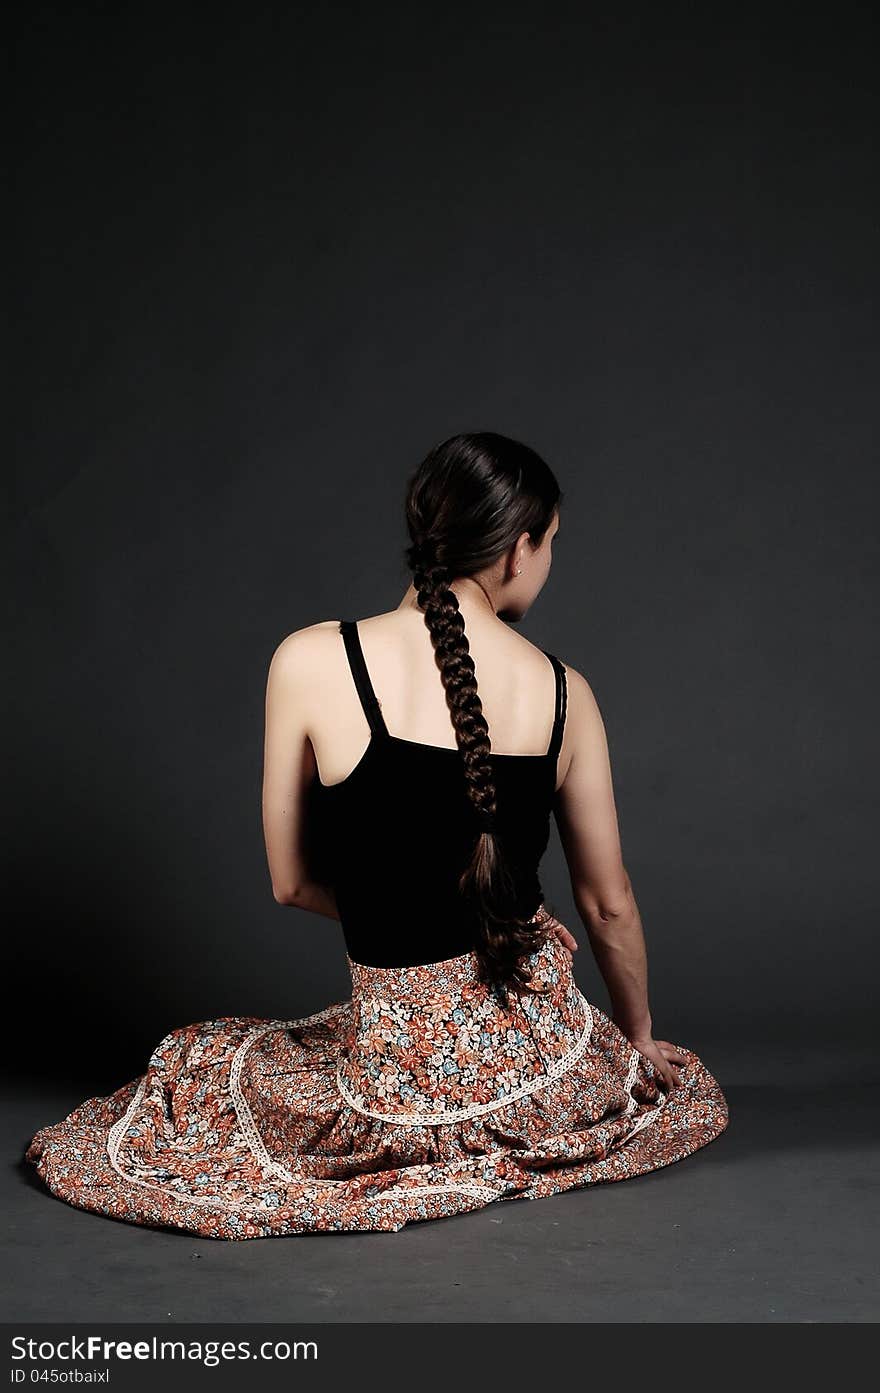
x: 393, y: 813
x: 423, y: 748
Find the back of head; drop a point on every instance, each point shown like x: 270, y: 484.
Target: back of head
x: 467, y: 504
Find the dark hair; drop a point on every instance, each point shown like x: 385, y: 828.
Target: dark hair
x: 466, y: 505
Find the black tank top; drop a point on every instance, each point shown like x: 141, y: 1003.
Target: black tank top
x: 397, y: 832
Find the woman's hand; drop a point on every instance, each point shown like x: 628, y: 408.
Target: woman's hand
x: 568, y: 941
x: 664, y: 1057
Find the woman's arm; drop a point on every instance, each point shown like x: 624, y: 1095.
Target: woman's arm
x: 289, y: 773
x: 587, y: 819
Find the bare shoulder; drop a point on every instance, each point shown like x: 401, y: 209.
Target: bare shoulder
x: 578, y: 688
x: 585, y: 741
x: 583, y: 717
x: 580, y: 693
x: 305, y: 651
x: 584, y: 710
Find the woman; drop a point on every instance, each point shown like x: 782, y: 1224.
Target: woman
x: 466, y: 1067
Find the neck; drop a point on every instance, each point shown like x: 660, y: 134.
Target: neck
x: 470, y: 592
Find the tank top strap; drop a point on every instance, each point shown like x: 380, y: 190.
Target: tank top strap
x: 369, y: 701
x: 561, y: 706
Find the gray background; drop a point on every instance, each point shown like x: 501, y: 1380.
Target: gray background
x: 258, y: 270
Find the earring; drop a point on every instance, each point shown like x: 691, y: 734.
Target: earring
x: 518, y: 570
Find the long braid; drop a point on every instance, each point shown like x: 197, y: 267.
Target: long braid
x: 504, y: 938
x: 445, y: 624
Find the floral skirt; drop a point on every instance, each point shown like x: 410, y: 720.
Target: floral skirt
x: 419, y: 1097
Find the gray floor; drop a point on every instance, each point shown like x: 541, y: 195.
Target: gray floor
x: 775, y: 1221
